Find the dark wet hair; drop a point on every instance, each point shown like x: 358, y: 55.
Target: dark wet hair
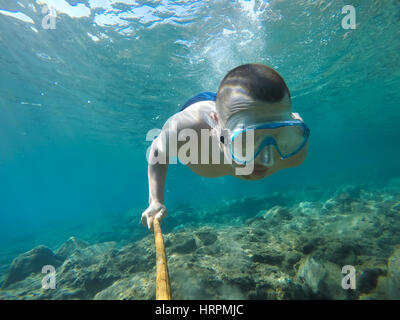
x: 257, y: 81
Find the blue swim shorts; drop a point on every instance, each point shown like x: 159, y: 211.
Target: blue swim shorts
x: 203, y: 96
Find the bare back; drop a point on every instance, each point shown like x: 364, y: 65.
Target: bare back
x: 197, y: 117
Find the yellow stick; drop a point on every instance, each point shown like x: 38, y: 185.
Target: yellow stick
x: 163, y: 289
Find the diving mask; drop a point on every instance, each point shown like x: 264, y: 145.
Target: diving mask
x: 246, y: 143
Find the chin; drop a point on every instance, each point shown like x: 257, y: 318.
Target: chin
x: 256, y: 177
x: 265, y: 174
x: 253, y: 177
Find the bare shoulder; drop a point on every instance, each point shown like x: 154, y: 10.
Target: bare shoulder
x: 196, y: 116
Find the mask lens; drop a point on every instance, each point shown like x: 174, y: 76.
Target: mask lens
x: 242, y: 146
x: 248, y: 143
x: 289, y: 138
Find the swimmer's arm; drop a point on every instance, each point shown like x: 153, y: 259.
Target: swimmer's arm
x: 159, y: 156
x: 157, y: 170
x: 161, y: 151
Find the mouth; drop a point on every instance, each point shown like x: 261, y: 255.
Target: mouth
x: 259, y: 170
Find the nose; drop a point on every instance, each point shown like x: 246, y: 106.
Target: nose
x: 266, y: 157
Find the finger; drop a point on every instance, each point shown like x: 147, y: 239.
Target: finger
x: 150, y: 222
x: 144, y: 219
x: 145, y: 215
x: 161, y: 214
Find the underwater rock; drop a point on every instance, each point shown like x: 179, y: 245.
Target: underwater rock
x: 268, y: 258
x: 367, y: 278
x: 68, y: 247
x: 90, y: 255
x: 181, y: 243
x: 191, y: 283
x: 291, y: 259
x: 236, y: 211
x: 27, y: 289
x: 207, y: 236
x: 85, y: 272
x: 388, y: 287
x: 279, y: 253
x: 30, y: 262
x: 96, y: 278
x: 345, y: 201
x: 343, y: 252
x: 396, y: 207
x: 352, y: 191
x: 329, y: 204
x: 312, y: 274
x: 308, y: 208
x: 308, y: 243
x: 251, y: 205
x: 308, y: 247
x: 260, y: 292
x: 208, y: 250
x: 244, y: 282
x: 323, y: 278
x: 277, y: 214
x: 258, y: 222
x: 138, y: 287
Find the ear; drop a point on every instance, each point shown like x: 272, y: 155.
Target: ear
x: 214, y: 116
x: 296, y: 116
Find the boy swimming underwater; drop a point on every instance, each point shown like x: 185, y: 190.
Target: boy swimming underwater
x: 253, y: 133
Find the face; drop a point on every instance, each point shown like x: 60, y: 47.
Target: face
x: 261, y: 171
x: 268, y: 160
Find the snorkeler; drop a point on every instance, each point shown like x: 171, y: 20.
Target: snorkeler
x: 252, y: 101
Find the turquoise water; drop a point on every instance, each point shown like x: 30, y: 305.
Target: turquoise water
x: 77, y: 101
